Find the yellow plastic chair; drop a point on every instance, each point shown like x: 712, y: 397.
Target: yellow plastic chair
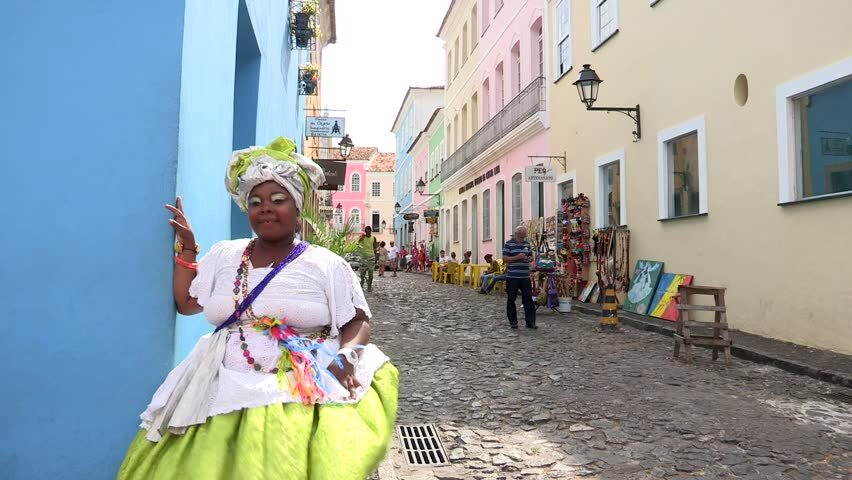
x: 451, y: 273
x: 436, y: 271
x: 463, y: 267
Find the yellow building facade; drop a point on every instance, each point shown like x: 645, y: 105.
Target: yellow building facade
x: 743, y: 172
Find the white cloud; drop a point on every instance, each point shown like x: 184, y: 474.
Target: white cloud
x: 383, y: 47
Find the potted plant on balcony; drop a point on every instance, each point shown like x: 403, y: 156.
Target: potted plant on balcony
x: 309, y: 73
x: 302, y: 24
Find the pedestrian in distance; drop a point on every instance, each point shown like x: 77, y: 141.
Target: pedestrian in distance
x: 517, y: 254
x: 367, y: 246
x: 393, y: 257
x: 383, y: 258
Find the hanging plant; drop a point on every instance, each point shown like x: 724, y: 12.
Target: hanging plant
x: 303, y: 25
x: 309, y: 73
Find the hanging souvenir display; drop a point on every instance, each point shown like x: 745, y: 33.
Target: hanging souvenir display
x: 576, y: 242
x: 611, y: 247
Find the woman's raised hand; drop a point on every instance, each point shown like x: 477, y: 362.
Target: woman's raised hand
x: 181, y: 224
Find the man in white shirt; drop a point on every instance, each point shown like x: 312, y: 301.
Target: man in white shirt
x: 393, y: 256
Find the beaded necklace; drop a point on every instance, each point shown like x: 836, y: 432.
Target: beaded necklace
x: 241, y: 286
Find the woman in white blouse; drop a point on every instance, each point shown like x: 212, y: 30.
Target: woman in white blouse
x: 288, y: 386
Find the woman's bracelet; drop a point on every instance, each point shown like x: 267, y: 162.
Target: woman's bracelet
x: 350, y: 355
x: 185, y: 264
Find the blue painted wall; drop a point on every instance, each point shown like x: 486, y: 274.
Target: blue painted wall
x: 402, y: 179
x: 220, y: 65
x: 90, y: 96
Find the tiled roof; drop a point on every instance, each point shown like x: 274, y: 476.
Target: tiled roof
x: 363, y: 153
x: 384, y: 162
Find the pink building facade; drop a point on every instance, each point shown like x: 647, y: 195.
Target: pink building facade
x: 483, y: 176
x: 350, y: 200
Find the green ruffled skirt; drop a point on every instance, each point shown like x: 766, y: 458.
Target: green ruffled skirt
x: 283, y: 441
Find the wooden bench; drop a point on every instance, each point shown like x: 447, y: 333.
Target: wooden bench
x: 718, y: 339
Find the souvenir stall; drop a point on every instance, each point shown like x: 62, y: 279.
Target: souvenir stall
x: 576, y: 248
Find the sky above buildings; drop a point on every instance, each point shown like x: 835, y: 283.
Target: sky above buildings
x: 383, y: 47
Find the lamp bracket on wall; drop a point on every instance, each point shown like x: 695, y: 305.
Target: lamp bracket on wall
x: 631, y: 112
x: 563, y: 159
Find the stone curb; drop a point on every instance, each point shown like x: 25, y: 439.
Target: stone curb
x: 744, y: 352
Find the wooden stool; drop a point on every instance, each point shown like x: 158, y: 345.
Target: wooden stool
x: 720, y: 338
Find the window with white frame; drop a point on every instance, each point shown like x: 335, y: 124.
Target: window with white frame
x: 604, y: 20
x: 815, y: 134
x: 540, y: 43
x: 338, y: 217
x: 565, y: 190
x: 456, y: 223
x: 355, y: 218
x: 563, y: 37
x: 340, y: 188
x: 611, y: 208
x: 376, y: 221
x: 355, y: 182
x: 516, y: 65
x: 486, y: 215
x: 682, y: 167
x: 517, y: 201
x: 376, y: 189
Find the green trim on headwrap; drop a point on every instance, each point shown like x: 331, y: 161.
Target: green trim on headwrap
x: 280, y: 149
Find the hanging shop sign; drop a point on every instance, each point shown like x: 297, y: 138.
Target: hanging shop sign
x: 540, y: 173
x: 335, y: 173
x: 325, y: 127
x: 431, y: 216
x: 411, y: 216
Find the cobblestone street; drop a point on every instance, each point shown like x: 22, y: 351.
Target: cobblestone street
x: 566, y: 402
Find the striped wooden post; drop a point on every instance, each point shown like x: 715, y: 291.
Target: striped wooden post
x: 609, y: 312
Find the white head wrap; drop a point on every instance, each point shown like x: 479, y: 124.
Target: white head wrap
x: 277, y: 162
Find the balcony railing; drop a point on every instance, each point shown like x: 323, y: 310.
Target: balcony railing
x: 530, y: 101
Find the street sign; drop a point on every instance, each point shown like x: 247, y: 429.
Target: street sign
x: 540, y: 173
x: 325, y: 127
x: 411, y: 216
x: 335, y: 173
x: 430, y: 213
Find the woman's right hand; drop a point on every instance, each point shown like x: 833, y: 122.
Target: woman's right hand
x: 181, y: 224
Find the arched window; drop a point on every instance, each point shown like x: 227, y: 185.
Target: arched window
x: 355, y: 182
x: 355, y: 218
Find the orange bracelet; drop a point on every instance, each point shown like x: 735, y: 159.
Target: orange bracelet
x: 185, y: 264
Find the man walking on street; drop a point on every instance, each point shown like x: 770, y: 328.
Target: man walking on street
x: 517, y: 255
x: 393, y: 256
x: 367, y: 249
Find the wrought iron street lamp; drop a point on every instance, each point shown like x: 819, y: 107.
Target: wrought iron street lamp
x: 421, y: 186
x: 588, y: 85
x: 384, y: 225
x: 397, y: 208
x: 346, y: 147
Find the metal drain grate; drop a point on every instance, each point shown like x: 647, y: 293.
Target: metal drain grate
x: 844, y: 397
x: 421, y: 445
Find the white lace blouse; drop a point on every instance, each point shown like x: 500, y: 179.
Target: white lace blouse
x: 316, y: 290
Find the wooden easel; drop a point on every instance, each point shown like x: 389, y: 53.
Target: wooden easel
x: 720, y: 339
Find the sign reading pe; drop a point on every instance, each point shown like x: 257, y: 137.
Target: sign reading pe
x: 540, y: 173
x: 325, y: 127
